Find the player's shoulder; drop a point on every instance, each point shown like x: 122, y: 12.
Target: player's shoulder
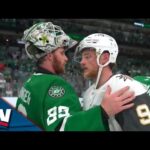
x: 48, y: 77
x: 121, y: 80
x: 39, y: 80
x: 122, y: 77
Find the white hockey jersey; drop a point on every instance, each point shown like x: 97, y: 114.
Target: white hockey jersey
x: 93, y: 97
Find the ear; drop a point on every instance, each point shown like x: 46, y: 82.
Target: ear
x: 105, y: 57
x: 49, y: 56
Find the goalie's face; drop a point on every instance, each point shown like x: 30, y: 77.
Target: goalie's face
x: 88, y: 63
x: 59, y: 60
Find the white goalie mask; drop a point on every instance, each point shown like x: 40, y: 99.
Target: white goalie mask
x: 46, y: 37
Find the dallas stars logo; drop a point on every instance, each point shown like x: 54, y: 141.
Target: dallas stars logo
x: 56, y: 91
x: 44, y: 39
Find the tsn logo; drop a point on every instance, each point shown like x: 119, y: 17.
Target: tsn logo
x: 5, y: 117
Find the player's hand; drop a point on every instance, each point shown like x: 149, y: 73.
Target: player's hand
x: 118, y: 101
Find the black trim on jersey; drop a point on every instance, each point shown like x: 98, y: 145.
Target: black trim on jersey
x: 59, y: 125
x: 105, y: 117
x: 42, y: 70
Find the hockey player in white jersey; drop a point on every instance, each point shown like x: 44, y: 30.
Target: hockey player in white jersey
x: 98, y: 53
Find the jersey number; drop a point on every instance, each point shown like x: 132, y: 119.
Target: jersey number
x: 57, y: 112
x: 144, y: 114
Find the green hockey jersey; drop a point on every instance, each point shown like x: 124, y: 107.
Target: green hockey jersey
x: 52, y: 104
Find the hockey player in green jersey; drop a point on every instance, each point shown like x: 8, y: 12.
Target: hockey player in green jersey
x: 47, y: 99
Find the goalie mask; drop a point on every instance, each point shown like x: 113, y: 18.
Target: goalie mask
x: 45, y: 37
x: 100, y: 42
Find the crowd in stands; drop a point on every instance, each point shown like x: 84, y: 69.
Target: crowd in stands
x: 17, y: 68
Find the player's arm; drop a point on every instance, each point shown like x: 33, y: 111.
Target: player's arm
x: 64, y: 118
x: 97, y: 117
x: 63, y: 112
x: 92, y: 120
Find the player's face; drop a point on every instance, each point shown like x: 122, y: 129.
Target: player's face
x: 59, y: 60
x: 89, y: 64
